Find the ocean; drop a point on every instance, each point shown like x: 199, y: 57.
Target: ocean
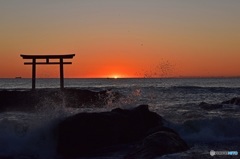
x: 177, y: 100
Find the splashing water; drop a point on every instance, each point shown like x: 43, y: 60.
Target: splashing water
x: 162, y: 69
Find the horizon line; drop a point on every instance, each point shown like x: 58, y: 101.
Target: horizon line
x: 178, y: 77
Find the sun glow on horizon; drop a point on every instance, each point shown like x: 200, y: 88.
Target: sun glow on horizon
x: 115, y: 76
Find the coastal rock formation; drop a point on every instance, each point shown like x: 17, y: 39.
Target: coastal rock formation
x: 207, y: 106
x: 157, y: 144
x: 28, y: 100
x: 87, y: 134
x: 234, y: 101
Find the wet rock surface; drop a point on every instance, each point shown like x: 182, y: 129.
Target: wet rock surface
x: 90, y: 134
x: 234, y: 101
x: 208, y: 106
x: 157, y: 144
x: 28, y: 100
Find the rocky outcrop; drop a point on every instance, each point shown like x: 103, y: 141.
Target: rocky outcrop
x: 234, y: 101
x: 207, y: 106
x: 157, y: 144
x: 28, y: 100
x: 87, y: 134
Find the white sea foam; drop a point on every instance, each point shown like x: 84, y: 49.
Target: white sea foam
x: 25, y: 134
x: 212, y: 130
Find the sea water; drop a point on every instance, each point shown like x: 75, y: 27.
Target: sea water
x: 32, y: 134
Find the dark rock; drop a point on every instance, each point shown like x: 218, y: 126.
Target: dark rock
x: 157, y: 144
x: 28, y: 100
x: 6, y: 157
x: 208, y: 106
x: 17, y: 100
x: 234, y: 101
x: 90, y: 133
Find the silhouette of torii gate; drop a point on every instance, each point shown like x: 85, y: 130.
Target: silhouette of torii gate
x: 47, y: 57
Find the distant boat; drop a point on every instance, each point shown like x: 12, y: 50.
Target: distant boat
x: 18, y: 77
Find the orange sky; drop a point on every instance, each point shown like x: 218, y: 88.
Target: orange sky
x: 125, y: 38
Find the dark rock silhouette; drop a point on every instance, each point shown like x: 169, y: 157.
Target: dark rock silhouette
x: 6, y: 157
x: 157, y: 144
x: 90, y: 134
x: 28, y: 100
x: 234, y: 101
x: 208, y: 106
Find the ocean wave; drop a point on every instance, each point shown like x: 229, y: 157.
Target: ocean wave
x: 27, y: 135
x: 208, y: 89
x: 211, y: 130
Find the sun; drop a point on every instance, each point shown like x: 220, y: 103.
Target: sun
x: 115, y: 76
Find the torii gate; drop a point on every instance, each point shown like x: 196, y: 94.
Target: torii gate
x: 47, y: 57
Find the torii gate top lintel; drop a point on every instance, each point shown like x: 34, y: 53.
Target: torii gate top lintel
x: 67, y: 56
x: 47, y: 57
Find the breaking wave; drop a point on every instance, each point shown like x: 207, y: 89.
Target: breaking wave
x: 212, y: 130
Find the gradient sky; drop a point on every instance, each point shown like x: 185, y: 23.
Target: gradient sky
x: 128, y: 38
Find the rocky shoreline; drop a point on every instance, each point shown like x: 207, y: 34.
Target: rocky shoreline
x: 30, y: 100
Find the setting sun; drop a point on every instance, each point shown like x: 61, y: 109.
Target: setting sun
x: 115, y: 76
